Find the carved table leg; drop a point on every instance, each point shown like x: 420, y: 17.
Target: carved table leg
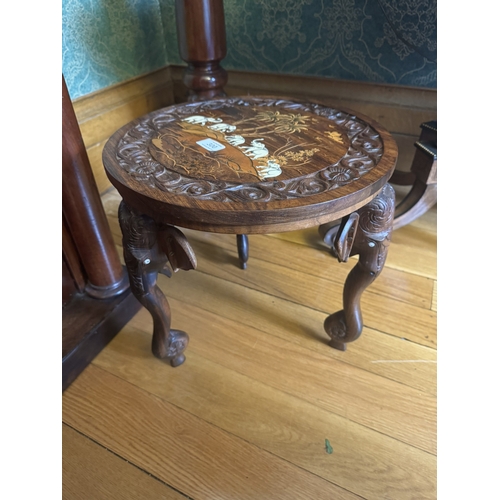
x: 147, y: 247
x: 366, y: 233
x: 242, y: 243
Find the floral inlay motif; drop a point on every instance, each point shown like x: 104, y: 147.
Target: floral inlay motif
x: 336, y: 136
x: 252, y: 162
x: 242, y: 145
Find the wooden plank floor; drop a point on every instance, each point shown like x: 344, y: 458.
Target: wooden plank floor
x: 248, y: 414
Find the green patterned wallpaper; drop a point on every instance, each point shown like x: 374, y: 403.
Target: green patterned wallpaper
x: 389, y: 41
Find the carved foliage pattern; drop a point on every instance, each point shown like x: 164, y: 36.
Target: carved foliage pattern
x: 139, y: 238
x: 133, y: 156
x: 375, y: 229
x: 371, y: 243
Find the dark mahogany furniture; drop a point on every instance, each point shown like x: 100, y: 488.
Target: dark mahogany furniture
x: 246, y: 165
x: 422, y: 178
x: 96, y: 298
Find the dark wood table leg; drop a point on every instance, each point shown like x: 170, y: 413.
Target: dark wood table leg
x: 147, y: 247
x: 366, y: 233
x: 242, y: 243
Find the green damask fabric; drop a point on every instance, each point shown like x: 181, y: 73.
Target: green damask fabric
x: 386, y: 41
x: 389, y: 41
x: 109, y: 41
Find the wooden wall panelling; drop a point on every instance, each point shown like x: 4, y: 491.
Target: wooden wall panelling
x: 103, y: 112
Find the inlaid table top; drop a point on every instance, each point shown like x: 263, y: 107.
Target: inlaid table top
x: 249, y: 164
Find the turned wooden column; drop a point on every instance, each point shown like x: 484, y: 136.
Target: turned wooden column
x: 84, y: 214
x: 201, y: 36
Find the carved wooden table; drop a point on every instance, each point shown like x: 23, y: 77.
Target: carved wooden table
x: 244, y: 166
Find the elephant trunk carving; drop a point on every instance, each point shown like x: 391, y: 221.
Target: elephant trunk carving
x: 366, y: 233
x: 147, y: 248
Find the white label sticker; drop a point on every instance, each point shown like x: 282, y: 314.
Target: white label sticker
x: 211, y: 145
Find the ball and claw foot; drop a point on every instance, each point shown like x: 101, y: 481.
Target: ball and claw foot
x: 176, y: 342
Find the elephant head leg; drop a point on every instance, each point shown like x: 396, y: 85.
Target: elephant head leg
x: 366, y: 233
x: 147, y: 248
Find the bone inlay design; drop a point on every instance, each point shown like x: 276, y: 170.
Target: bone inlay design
x: 248, y: 149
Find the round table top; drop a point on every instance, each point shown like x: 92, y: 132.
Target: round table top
x: 249, y: 164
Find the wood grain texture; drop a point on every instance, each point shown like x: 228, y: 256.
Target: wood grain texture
x: 381, y: 101
x: 95, y: 157
x: 434, y: 297
x: 412, y: 247
x: 101, y: 113
x: 300, y: 324
x: 360, y: 396
x: 414, y: 240
x: 411, y: 322
x: 113, y: 97
x: 275, y: 421
x: 184, y: 451
x: 412, y: 289
x: 218, y: 266
x: 89, y: 471
x: 317, y: 164
x: 88, y: 324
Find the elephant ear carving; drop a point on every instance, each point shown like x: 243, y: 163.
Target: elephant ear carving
x: 177, y: 249
x: 344, y: 240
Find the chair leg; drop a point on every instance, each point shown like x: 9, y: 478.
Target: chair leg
x: 421, y: 198
x: 400, y: 178
x: 423, y: 194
